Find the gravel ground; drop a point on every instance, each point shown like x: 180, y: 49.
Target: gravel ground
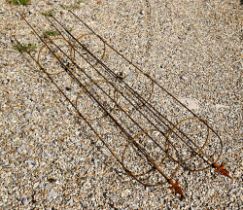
x: 47, y: 157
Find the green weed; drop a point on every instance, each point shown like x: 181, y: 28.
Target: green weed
x: 50, y: 33
x: 19, y: 2
x: 25, y: 47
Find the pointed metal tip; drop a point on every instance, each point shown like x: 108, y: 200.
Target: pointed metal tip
x: 176, y: 188
x: 220, y: 169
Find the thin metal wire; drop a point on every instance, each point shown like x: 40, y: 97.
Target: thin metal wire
x: 152, y: 114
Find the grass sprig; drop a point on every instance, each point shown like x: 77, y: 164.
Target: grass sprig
x: 49, y: 33
x: 19, y: 2
x: 30, y: 47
